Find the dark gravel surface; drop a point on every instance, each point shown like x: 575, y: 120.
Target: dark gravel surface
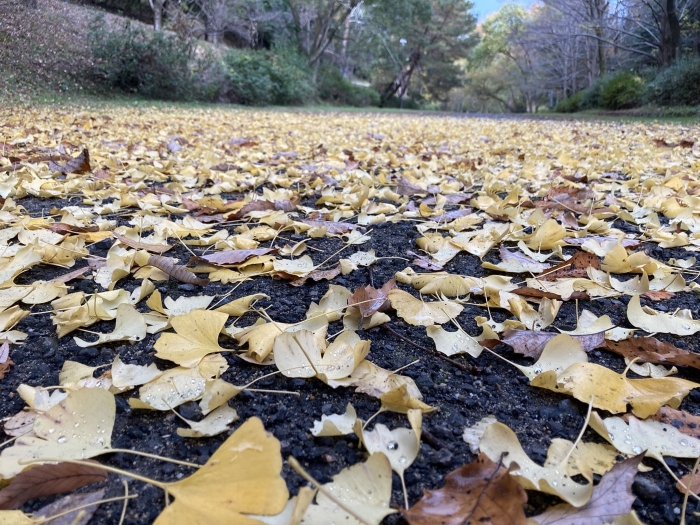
x: 463, y: 397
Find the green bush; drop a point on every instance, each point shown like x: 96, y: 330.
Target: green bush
x: 155, y: 65
x: 336, y: 89
x: 678, y: 85
x: 569, y: 105
x: 261, y: 77
x: 591, y: 96
x: 622, y: 91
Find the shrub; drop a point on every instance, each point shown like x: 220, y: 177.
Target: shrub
x: 261, y: 77
x: 678, y: 85
x: 336, y: 89
x: 622, y: 91
x: 156, y: 65
x: 569, y: 105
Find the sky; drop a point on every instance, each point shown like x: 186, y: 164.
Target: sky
x: 483, y: 8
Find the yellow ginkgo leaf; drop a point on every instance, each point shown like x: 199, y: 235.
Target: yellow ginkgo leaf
x: 130, y: 326
x: 78, y: 427
x: 416, y: 312
x: 500, y: 443
x: 215, y: 423
x: 652, y: 321
x: 365, y: 488
x: 197, y: 335
x: 613, y: 392
x: 239, y: 306
x: 260, y: 338
x: 241, y: 477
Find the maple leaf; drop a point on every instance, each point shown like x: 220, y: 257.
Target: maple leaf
x: 79, y: 164
x: 482, y: 491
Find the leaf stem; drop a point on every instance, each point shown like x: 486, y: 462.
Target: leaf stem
x: 292, y: 462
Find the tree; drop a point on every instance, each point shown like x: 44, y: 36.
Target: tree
x: 421, y: 36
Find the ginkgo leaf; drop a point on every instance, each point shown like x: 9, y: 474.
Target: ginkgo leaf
x: 240, y: 306
x: 400, y: 445
x: 184, y: 305
x: 416, y: 312
x: 214, y: 423
x: 130, y: 326
x: 241, y: 477
x: 336, y: 424
x: 79, y: 508
x: 78, y: 427
x: 197, y: 335
x: 654, y: 321
x: 299, y: 267
x: 373, y: 380
x: 365, y: 488
x: 612, y: 497
x: 129, y: 376
x: 500, y: 441
x: 585, y: 459
x: 472, y: 435
x: 170, y: 389
x: 481, y: 492
x: 332, y: 304
x: 612, y: 391
x: 635, y: 436
x: 400, y: 400
x: 260, y: 338
x: 452, y: 343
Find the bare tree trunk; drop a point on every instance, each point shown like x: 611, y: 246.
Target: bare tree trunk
x: 157, y: 6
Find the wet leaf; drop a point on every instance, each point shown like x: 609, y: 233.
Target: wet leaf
x: 480, y: 492
x: 611, y: 498
x: 651, y: 350
x: 416, y: 312
x: 197, y: 335
x: 531, y: 343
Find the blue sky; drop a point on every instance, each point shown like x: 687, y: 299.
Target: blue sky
x: 483, y: 8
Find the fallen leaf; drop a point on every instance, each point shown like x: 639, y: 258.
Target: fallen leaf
x: 214, y: 423
x: 57, y: 436
x: 139, y: 245
x: 480, y: 492
x: 197, y: 335
x: 176, y: 271
x: 613, y: 392
x: 417, y: 312
x: 241, y: 477
x: 79, y: 164
x: 130, y: 326
x: 234, y: 257
x: 47, y: 480
x: 500, y: 441
x: 680, y: 419
x: 531, y: 344
x: 611, y: 498
x: 651, y: 350
x: 654, y: 321
x: 575, y: 266
x: 336, y: 424
x: 85, y: 503
x: 370, y: 300
x: 365, y: 488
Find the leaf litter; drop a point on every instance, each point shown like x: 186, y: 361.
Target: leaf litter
x: 506, y: 237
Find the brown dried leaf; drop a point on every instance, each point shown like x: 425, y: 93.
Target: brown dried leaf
x: 680, y: 419
x: 480, y: 492
x: 651, y: 350
x: 45, y: 480
x: 176, y: 271
x: 333, y: 227
x: 576, y: 266
x: 80, y: 164
x: 531, y: 343
x: 425, y: 262
x: 60, y: 227
x: 70, y: 275
x: 526, y: 291
x: 611, y: 498
x: 233, y: 257
x: 157, y: 248
x: 657, y: 295
x: 370, y: 300
x: 315, y: 275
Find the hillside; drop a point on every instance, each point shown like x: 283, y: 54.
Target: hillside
x: 45, y: 49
